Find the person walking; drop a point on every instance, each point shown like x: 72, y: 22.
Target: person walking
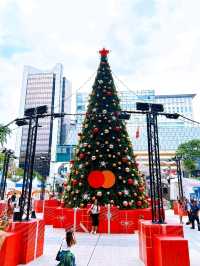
x: 94, y: 212
x: 181, y: 208
x: 188, y: 210
x: 195, y: 215
x: 65, y: 256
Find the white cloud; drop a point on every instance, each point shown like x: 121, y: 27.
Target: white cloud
x: 155, y: 47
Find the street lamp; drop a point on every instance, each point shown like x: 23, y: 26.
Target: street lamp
x: 8, y: 154
x: 30, y: 115
x: 152, y: 111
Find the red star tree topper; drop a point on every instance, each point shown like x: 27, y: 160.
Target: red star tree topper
x: 104, y: 52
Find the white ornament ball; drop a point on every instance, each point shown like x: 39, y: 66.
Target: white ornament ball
x: 68, y: 188
x: 99, y: 193
x: 125, y: 203
x: 93, y: 157
x: 127, y: 169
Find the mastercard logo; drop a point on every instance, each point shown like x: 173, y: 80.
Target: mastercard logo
x: 105, y: 179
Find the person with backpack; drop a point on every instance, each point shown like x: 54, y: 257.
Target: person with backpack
x: 94, y: 213
x: 195, y: 215
x: 65, y: 256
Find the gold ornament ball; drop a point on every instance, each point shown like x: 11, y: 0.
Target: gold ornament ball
x: 109, y: 155
x: 114, y: 164
x: 106, y: 131
x: 86, y: 126
x: 106, y: 142
x: 127, y: 169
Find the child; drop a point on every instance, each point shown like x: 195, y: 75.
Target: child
x: 66, y: 257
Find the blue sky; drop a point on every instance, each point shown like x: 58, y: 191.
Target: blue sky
x: 154, y: 43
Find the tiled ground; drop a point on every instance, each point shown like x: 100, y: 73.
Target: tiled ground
x: 108, y: 250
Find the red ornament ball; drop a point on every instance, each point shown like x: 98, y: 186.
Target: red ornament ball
x: 139, y: 203
x: 95, y: 130
x: 74, y: 182
x: 82, y: 155
x: 130, y: 181
x: 141, y: 189
x: 117, y: 129
x: 109, y: 93
x: 96, y: 179
x: 124, y: 159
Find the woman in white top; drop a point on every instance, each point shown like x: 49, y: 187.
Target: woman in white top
x: 94, y: 212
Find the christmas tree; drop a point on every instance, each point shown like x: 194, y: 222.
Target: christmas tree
x: 104, y: 166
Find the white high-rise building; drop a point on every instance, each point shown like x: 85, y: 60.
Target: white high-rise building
x: 49, y: 88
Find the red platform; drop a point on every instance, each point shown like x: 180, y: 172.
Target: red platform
x: 121, y: 221
x: 3, y: 206
x: 171, y: 251
x: 32, y: 239
x: 9, y: 248
x: 147, y: 233
x: 38, y: 206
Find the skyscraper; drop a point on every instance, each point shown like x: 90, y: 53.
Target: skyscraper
x: 49, y: 88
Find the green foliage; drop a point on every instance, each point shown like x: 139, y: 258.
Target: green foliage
x: 104, y: 144
x: 4, y: 133
x: 189, y: 151
x: 1, y: 160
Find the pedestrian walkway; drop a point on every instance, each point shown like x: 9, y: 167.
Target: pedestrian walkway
x: 108, y: 250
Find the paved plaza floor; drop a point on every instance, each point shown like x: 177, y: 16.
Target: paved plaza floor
x: 108, y: 250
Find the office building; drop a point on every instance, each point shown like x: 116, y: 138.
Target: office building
x: 171, y: 132
x: 49, y: 88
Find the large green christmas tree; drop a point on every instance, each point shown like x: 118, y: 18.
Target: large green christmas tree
x: 104, y: 165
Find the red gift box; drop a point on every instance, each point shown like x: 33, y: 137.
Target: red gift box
x: 146, y: 237
x: 52, y: 203
x: 38, y: 206
x: 32, y: 239
x: 49, y: 215
x: 3, y: 206
x: 171, y: 251
x: 9, y: 248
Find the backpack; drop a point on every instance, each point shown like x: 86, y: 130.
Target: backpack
x: 66, y: 258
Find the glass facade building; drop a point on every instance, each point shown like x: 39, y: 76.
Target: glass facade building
x: 171, y: 132
x: 45, y: 88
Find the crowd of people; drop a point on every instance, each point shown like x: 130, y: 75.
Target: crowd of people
x: 191, y: 209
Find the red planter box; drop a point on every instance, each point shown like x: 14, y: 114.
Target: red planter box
x: 9, y: 248
x: 171, y: 251
x: 32, y: 239
x: 3, y: 206
x: 121, y: 221
x: 148, y: 232
x: 38, y: 206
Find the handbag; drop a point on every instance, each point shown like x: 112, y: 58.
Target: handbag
x: 59, y: 252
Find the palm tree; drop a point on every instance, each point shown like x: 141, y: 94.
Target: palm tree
x: 4, y: 133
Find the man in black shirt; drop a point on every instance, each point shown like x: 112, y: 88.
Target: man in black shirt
x: 195, y: 214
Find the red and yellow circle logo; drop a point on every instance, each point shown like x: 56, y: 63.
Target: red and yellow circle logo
x: 105, y: 179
